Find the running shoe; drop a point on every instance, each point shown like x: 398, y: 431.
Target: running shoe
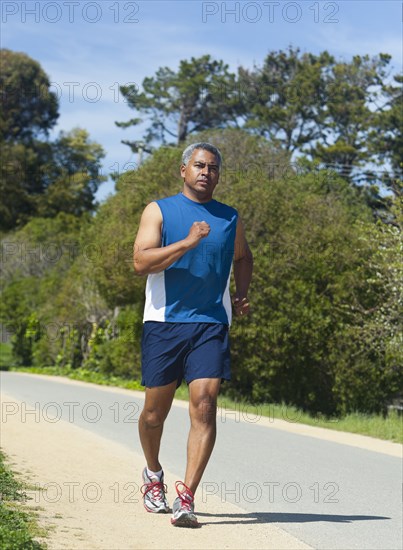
x: 183, y: 507
x: 153, y: 492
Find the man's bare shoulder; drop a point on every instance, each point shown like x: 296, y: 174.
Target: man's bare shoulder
x: 152, y: 212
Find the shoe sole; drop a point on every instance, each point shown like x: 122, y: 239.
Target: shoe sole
x: 185, y: 521
x: 156, y: 511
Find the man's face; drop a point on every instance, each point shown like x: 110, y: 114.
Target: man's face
x: 201, y: 174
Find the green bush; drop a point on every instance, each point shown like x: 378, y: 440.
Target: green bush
x: 115, y: 348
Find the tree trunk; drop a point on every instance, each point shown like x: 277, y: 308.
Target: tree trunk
x: 182, y: 126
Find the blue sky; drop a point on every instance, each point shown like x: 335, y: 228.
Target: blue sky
x: 90, y: 48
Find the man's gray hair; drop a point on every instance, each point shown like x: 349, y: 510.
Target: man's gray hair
x: 188, y: 152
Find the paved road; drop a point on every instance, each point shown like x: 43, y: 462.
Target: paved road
x: 329, y: 495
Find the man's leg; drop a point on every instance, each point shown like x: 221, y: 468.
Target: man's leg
x: 157, y: 404
x: 203, y: 394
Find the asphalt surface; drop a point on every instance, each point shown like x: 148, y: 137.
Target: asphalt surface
x: 329, y: 495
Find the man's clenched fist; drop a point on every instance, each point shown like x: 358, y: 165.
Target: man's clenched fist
x: 198, y: 231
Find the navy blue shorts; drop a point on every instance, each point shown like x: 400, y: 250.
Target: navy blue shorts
x: 173, y: 351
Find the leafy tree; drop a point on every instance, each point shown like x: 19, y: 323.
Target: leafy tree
x: 17, y: 314
x: 39, y: 177
x: 72, y: 176
x: 369, y: 372
x: 389, y: 140
x: 28, y: 108
x: 46, y: 178
x: 352, y: 97
x: 284, y: 99
x: 200, y: 95
x: 325, y: 109
x: 20, y: 182
x: 300, y: 233
x: 35, y: 262
x: 54, y: 309
x: 78, y: 307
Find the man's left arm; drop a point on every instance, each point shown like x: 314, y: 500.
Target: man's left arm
x: 243, y: 267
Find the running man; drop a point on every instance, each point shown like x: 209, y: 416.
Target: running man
x: 186, y: 244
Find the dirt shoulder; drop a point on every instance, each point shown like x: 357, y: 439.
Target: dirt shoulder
x: 90, y: 495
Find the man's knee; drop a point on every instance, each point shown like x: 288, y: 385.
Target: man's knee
x: 153, y: 418
x: 204, y: 409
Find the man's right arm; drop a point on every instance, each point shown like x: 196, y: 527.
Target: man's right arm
x: 148, y: 255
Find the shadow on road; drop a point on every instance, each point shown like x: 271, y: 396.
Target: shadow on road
x: 270, y: 517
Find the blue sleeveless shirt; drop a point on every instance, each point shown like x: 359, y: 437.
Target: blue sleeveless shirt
x: 195, y: 288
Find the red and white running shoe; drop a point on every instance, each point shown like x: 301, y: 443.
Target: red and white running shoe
x: 183, y: 507
x: 153, y: 491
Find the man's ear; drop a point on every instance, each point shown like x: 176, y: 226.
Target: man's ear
x: 183, y: 168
